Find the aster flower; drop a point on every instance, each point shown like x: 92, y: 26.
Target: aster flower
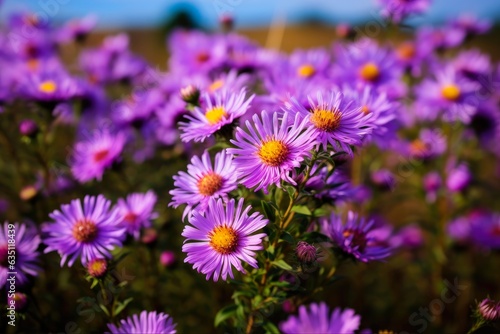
x: 271, y: 150
x: 218, y: 111
x: 432, y: 183
x: 489, y: 309
x: 204, y: 181
x: 327, y: 186
x: 479, y: 228
x: 307, y: 64
x: 316, y: 318
x: 430, y: 144
x: 91, y: 157
x: 136, y: 212
x: 470, y: 25
x: 24, y: 250
x: 76, y: 30
x: 90, y: 231
x: 459, y: 178
x: 145, y: 322
x: 398, y: 10
x: 137, y: 108
x: 358, y: 237
x: 222, y: 238
x: 335, y: 119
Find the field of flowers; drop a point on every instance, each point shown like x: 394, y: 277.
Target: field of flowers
x: 348, y: 188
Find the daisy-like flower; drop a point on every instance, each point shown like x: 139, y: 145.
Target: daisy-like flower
x: 358, y: 237
x: 480, y: 228
x: 222, y: 238
x: 310, y: 63
x: 449, y: 94
x: 145, y: 322
x: 90, y: 231
x: 430, y: 144
x: 204, y: 181
x: 335, y: 119
x: 316, y: 318
x: 136, y: 212
x: 220, y: 109
x: 18, y: 242
x: 91, y: 157
x: 271, y: 150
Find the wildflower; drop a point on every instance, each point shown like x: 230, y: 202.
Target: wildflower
x: 136, y: 212
x: 145, y: 322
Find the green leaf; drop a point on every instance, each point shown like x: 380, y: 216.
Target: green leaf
x: 104, y: 308
x: 302, y: 209
x: 95, y: 281
x: 282, y: 264
x: 122, y: 305
x: 225, y: 313
x: 287, y: 237
x: 269, y: 211
x: 290, y: 190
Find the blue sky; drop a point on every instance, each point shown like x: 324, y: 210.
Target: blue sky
x: 147, y: 13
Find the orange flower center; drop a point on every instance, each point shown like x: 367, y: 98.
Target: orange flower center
x: 450, y: 92
x: 406, y: 51
x: 306, y: 71
x: 85, y: 231
x: 325, y: 119
x: 358, y: 238
x: 209, y: 184
x: 216, y: 85
x: 365, y: 110
x: 273, y: 152
x: 369, y: 72
x: 224, y: 239
x: 47, y: 86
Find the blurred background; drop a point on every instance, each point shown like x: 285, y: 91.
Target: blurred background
x: 279, y: 24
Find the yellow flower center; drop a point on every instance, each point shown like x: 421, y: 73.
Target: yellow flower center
x: 215, y: 114
x: 365, y: 110
x: 450, y: 92
x: 306, y: 71
x: 97, y: 267
x: 85, y: 230
x: 209, y: 184
x: 47, y: 86
x: 369, y: 72
x: 406, y: 51
x: 223, y: 239
x: 273, y: 152
x: 216, y: 85
x: 325, y: 119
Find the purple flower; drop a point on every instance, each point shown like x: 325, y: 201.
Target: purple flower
x: 398, y: 10
x: 307, y: 64
x: 271, y: 150
x: 90, y: 231
x: 383, y: 178
x: 305, y: 252
x: 432, y: 183
x: 410, y: 237
x: 136, y: 212
x: 449, y: 94
x: 145, y: 322
x: 489, y: 309
x: 316, y: 318
x: 458, y: 178
x: 91, y: 157
x: 327, y: 186
x: 218, y: 111
x: 429, y: 144
x: 335, y: 119
x: 357, y: 236
x: 19, y: 242
x: 204, y: 181
x: 470, y: 25
x: 480, y: 228
x: 76, y: 30
x: 222, y: 238
x: 137, y: 108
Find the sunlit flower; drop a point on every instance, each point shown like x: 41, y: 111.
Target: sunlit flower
x: 145, y: 322
x: 222, y: 238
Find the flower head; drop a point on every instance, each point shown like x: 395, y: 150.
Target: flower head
x: 398, y: 10
x: 336, y: 120
x: 204, y: 181
x: 145, y: 322
x: 90, y: 231
x: 91, y: 157
x: 136, y: 212
x: 271, y: 150
x: 489, y: 309
x: 26, y: 244
x: 316, y: 318
x: 222, y: 238
x: 358, y: 237
x: 218, y: 111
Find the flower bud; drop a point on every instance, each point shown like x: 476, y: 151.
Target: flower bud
x: 306, y: 253
x: 489, y: 309
x: 28, y: 127
x: 190, y: 94
x: 97, y: 268
x: 167, y: 258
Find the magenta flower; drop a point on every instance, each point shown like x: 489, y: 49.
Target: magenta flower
x: 90, y: 231
x: 23, y: 251
x: 316, y: 318
x: 136, y: 212
x: 204, y: 181
x: 222, y: 238
x: 271, y: 150
x: 145, y: 322
x: 91, y: 157
x: 219, y: 110
x: 398, y: 10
